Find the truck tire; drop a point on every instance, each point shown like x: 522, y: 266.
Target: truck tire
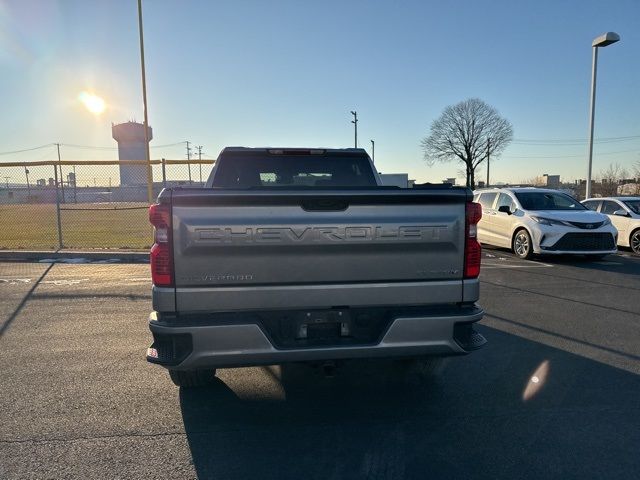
x: 420, y: 368
x: 192, y: 378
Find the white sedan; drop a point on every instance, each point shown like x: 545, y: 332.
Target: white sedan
x: 624, y: 213
x: 535, y: 220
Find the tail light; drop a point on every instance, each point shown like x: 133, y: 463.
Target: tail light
x: 472, y: 248
x: 161, y: 257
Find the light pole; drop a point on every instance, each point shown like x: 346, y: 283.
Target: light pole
x: 355, y: 126
x: 603, y: 40
x: 146, y: 110
x: 373, y: 151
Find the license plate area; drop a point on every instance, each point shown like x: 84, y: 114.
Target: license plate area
x: 331, y: 327
x: 323, y: 325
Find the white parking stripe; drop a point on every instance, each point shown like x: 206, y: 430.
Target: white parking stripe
x: 507, y: 265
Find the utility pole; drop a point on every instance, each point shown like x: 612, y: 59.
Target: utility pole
x: 373, y: 151
x: 355, y: 126
x: 75, y: 182
x: 146, y: 113
x: 26, y: 173
x: 199, y: 147
x: 488, y: 155
x: 61, y: 177
x: 189, y: 160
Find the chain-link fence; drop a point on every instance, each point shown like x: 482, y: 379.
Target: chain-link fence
x: 85, y: 204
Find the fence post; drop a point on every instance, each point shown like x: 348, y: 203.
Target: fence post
x: 55, y: 173
x: 164, y: 173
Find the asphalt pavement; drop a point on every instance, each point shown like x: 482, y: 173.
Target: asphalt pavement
x: 554, y: 394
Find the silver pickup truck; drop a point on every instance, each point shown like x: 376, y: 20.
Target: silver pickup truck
x: 302, y: 255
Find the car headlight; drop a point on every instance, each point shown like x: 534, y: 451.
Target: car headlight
x: 548, y: 221
x: 607, y: 221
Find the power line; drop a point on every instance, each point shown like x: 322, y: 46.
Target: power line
x: 28, y: 149
x: 87, y: 147
x: 97, y: 147
x: 83, y: 147
x: 571, y: 156
x: 168, y: 145
x: 571, y: 141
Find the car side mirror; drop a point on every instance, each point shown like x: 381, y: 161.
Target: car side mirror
x: 621, y: 213
x: 505, y: 209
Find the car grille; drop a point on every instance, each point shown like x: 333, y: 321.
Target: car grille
x: 586, y: 226
x: 584, y: 242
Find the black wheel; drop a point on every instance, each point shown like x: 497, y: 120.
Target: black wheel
x: 192, y: 378
x: 521, y: 244
x: 634, y: 241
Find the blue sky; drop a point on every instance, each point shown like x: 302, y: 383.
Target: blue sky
x: 279, y: 73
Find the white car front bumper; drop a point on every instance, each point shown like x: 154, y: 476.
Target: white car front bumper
x: 561, y: 240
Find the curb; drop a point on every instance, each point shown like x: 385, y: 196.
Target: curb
x: 73, y: 256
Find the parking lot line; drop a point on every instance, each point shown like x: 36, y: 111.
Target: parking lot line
x: 493, y: 264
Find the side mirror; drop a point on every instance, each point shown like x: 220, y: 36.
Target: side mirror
x: 505, y: 209
x: 621, y: 213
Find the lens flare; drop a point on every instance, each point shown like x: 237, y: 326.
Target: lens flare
x: 536, y: 381
x: 92, y: 102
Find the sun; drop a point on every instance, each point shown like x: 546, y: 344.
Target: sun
x: 92, y: 102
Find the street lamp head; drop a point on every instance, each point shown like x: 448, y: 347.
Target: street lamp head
x: 605, y: 39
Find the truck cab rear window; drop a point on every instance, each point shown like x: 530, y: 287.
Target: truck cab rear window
x: 293, y: 171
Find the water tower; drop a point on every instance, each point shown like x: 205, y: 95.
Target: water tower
x: 130, y: 138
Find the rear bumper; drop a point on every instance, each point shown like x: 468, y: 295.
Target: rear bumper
x: 209, y: 345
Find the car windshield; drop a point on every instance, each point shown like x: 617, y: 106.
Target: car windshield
x: 634, y: 206
x: 548, y: 201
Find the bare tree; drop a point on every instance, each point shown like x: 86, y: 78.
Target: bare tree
x: 636, y: 176
x: 467, y: 132
x: 609, y: 179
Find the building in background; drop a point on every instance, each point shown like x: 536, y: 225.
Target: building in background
x: 395, y: 179
x: 548, y: 181
x: 131, y: 146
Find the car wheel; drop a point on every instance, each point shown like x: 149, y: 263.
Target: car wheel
x: 634, y: 241
x: 521, y: 244
x: 192, y: 378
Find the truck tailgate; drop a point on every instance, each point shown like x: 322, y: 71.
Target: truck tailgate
x: 269, y: 249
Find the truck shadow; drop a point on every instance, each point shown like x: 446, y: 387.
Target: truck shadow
x: 517, y: 409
